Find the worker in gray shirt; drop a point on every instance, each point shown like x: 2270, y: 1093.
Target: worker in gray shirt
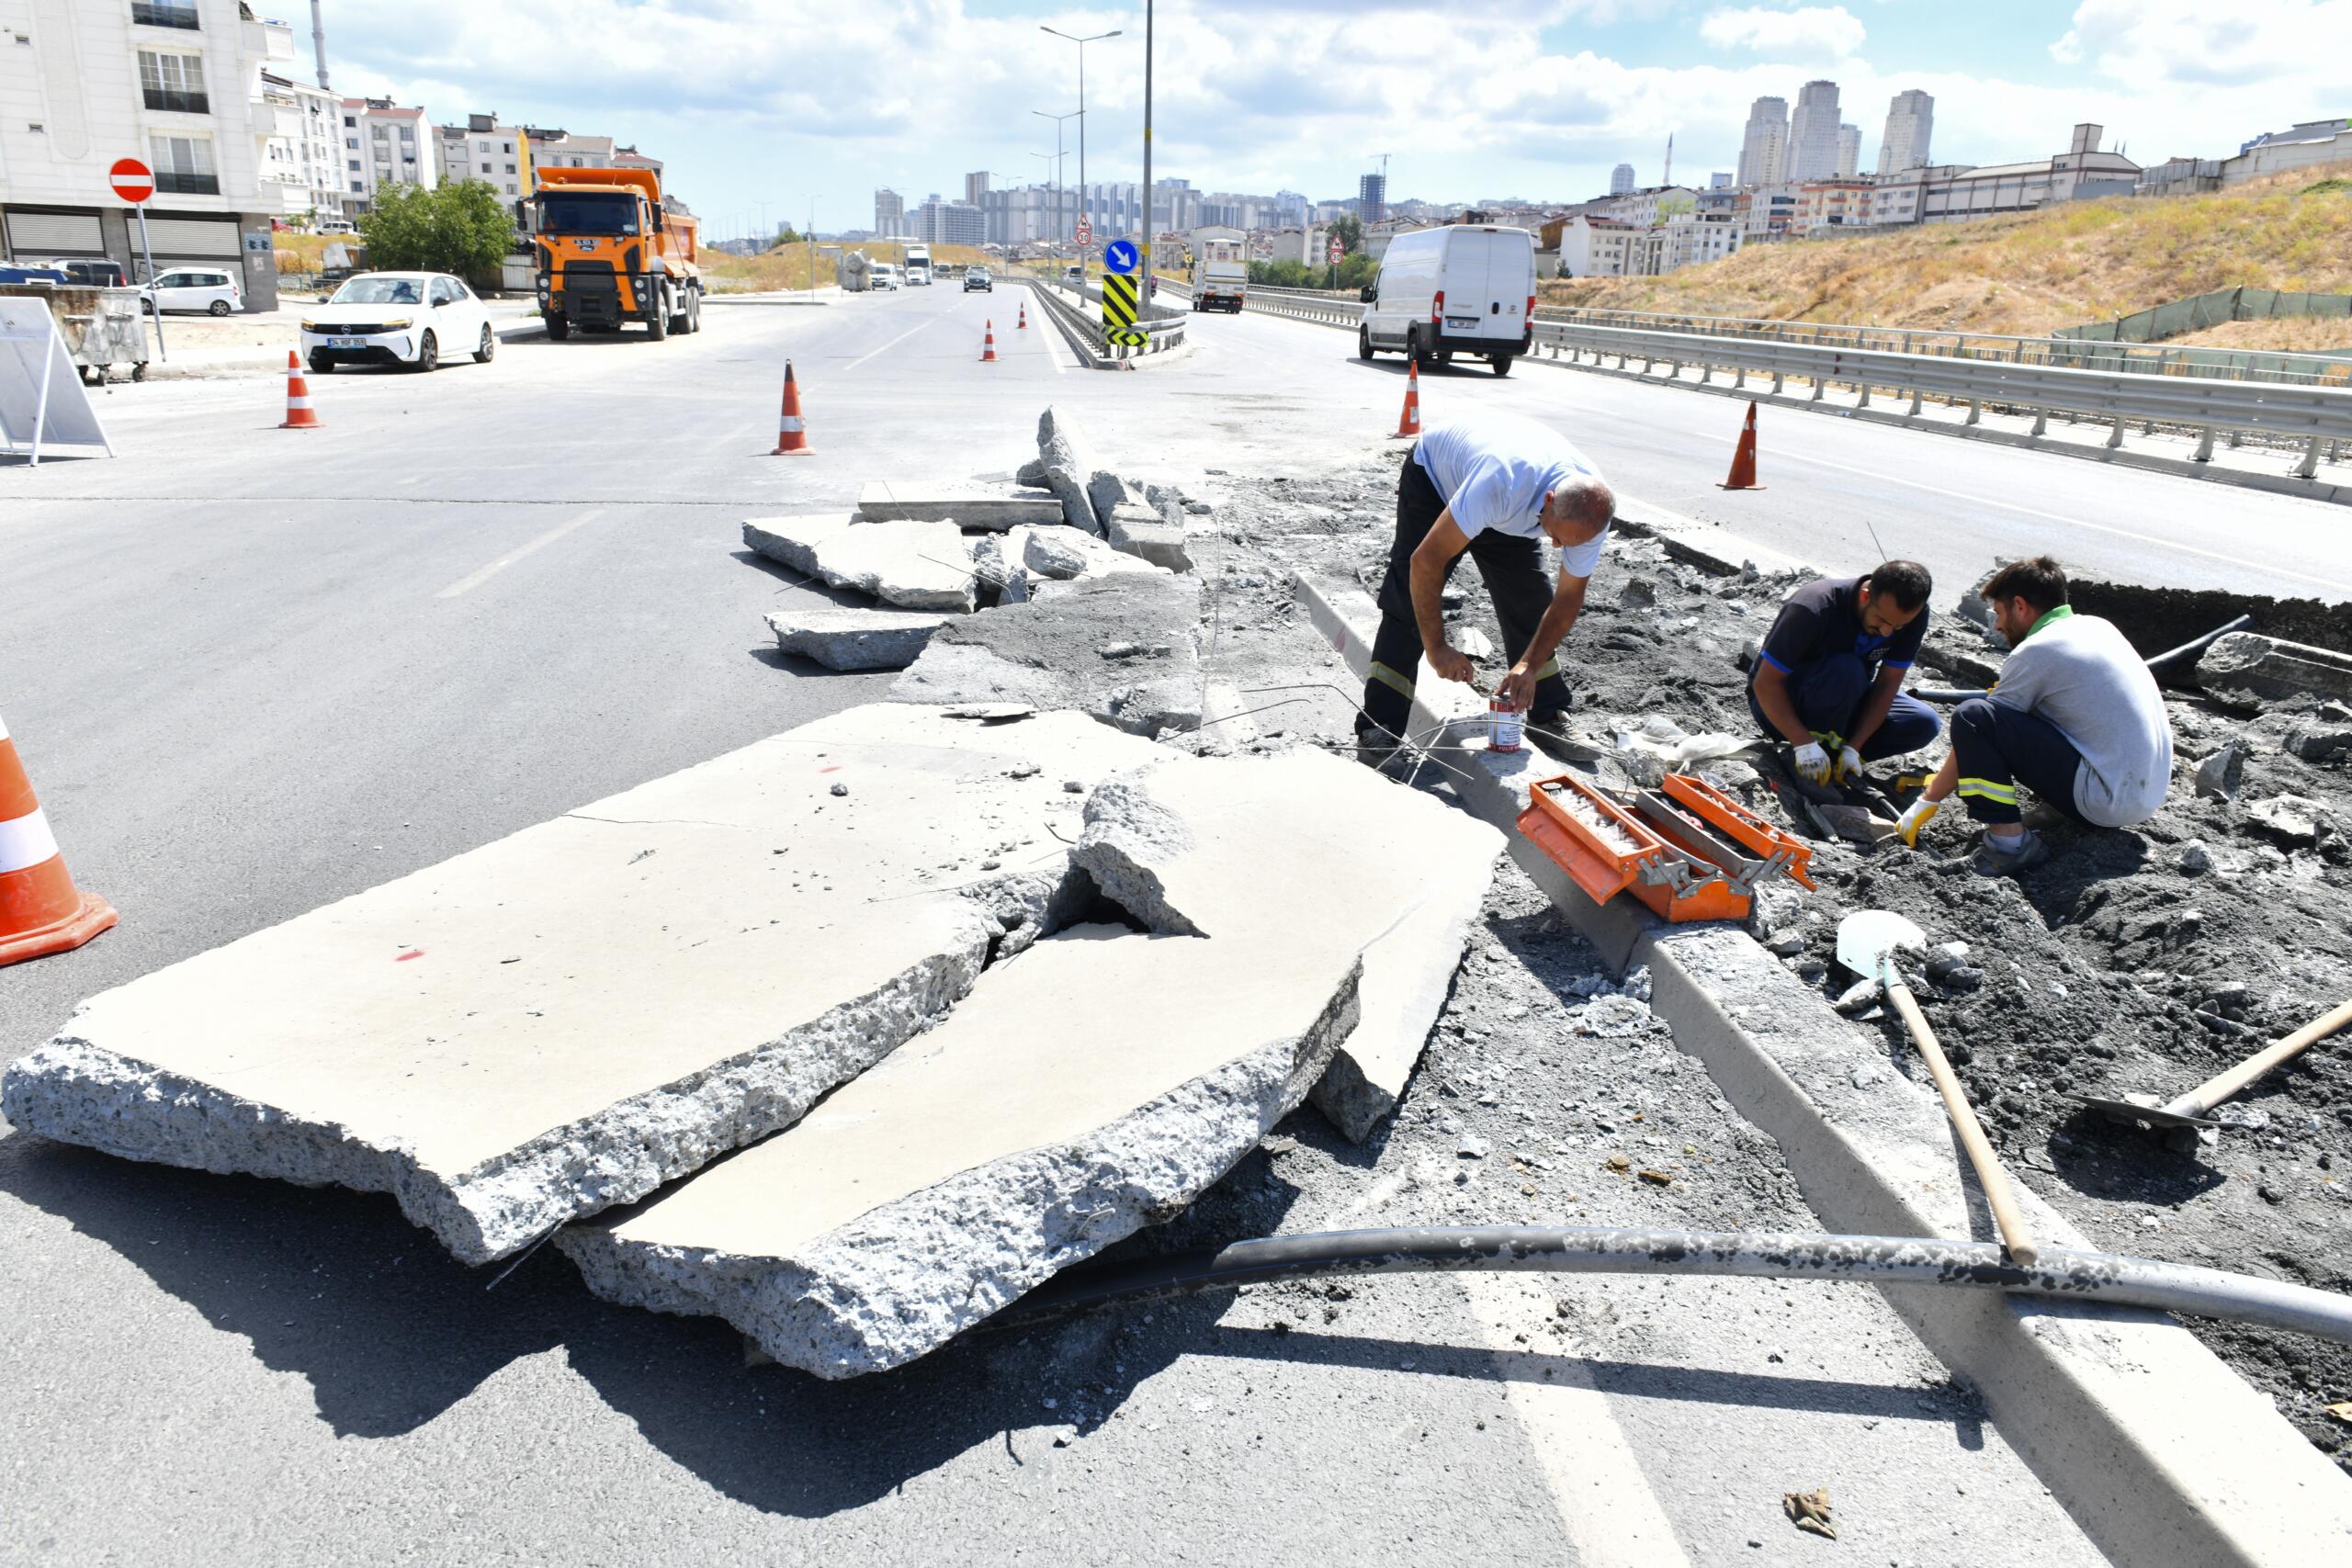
x: 2076, y: 718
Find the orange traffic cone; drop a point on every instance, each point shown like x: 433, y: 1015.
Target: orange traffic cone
x: 299, y: 412
x: 1408, y: 426
x: 988, y: 346
x: 791, y: 434
x: 1023, y: 324
x: 40, y: 909
x: 1742, y: 460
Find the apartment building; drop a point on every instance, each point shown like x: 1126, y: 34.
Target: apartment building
x: 1588, y: 246
x: 481, y: 149
x: 1833, y: 204
x: 890, y: 215
x: 937, y: 222
x: 302, y: 159
x: 384, y: 146
x: 176, y: 83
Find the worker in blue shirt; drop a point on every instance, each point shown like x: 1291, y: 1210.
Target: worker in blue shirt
x: 1828, y: 680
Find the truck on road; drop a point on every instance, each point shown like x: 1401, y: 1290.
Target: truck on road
x: 610, y: 252
x: 918, y: 266
x: 1220, y: 275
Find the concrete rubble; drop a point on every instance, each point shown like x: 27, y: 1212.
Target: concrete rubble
x: 1119, y: 647
x: 564, y: 1020
x: 1141, y: 531
x: 1066, y: 465
x: 970, y: 506
x: 919, y: 566
x: 2248, y: 671
x: 855, y: 639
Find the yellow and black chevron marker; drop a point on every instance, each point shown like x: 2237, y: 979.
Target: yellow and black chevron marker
x: 1126, y: 337
x: 1118, y: 303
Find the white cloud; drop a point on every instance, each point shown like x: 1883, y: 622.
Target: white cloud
x: 2147, y: 43
x: 1810, y: 31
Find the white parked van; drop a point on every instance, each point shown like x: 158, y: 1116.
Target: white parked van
x: 1463, y: 288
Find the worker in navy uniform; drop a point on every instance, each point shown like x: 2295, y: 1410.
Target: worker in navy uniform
x: 1828, y: 680
x: 1495, y: 487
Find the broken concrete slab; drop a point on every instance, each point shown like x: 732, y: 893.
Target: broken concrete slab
x: 976, y: 507
x: 921, y: 566
x: 1196, y: 845
x: 1066, y: 555
x: 1118, y: 648
x: 1047, y: 1117
x: 2248, y: 671
x: 1142, y: 532
x: 855, y: 639
x: 1107, y: 492
x: 1066, y: 465
x: 566, y: 1018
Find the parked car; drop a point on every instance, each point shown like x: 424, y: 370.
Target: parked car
x: 398, y: 318
x: 215, y: 292
x: 885, y: 276
x: 1463, y: 288
x: 978, y: 277
x: 91, y: 273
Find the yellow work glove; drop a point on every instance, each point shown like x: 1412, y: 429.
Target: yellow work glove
x: 1813, y: 762
x: 1915, y: 816
x: 1850, y: 764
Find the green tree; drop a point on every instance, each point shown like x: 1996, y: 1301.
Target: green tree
x: 1350, y: 230
x: 466, y: 229
x: 788, y: 235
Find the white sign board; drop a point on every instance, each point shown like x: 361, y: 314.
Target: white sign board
x: 41, y: 399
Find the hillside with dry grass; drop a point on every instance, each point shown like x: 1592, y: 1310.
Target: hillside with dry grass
x: 787, y: 267
x: 2034, y: 272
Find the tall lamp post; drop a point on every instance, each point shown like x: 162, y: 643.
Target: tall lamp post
x: 1059, y: 187
x: 1146, y: 140
x: 1081, y: 42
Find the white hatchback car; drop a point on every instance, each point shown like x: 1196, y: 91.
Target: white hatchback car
x: 211, y: 291
x: 398, y: 318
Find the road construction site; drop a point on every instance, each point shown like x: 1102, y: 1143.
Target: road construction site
x: 837, y: 903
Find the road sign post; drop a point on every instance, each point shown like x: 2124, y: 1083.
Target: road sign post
x: 1119, y: 259
x: 134, y: 182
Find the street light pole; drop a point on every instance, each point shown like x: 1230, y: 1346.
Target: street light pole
x: 1146, y: 138
x: 1081, y: 42
x: 1058, y: 186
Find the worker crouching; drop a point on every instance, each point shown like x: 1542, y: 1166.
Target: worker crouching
x: 1828, y: 679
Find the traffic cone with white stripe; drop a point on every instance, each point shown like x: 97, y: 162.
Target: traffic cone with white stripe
x: 988, y: 346
x: 791, y: 433
x: 1743, y: 458
x: 300, y: 415
x: 40, y: 909
x: 1023, y: 324
x: 1409, y: 425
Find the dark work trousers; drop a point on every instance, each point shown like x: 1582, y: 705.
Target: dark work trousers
x: 2000, y: 748
x: 1516, y: 581
x: 1829, y: 696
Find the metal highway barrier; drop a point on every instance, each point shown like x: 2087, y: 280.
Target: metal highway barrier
x: 1080, y: 310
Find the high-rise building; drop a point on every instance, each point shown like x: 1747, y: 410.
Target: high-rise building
x: 1910, y: 120
x: 1621, y: 179
x: 890, y: 215
x: 976, y: 186
x: 1719, y: 180
x: 1813, y: 133
x: 1849, y: 151
x: 1372, y: 197
x: 938, y: 223
x: 1763, y: 150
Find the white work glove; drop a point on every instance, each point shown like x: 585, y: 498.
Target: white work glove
x: 1915, y: 816
x: 1813, y: 762
x: 1849, y: 762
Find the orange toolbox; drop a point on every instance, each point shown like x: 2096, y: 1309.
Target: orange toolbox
x: 1685, y: 849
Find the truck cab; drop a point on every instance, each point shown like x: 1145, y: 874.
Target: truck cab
x: 1220, y: 275
x: 608, y: 252
x: 918, y: 266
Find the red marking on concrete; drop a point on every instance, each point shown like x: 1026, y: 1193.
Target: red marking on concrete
x: 831, y: 768
x: 411, y: 953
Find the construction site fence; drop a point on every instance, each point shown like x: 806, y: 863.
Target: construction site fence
x: 2202, y: 310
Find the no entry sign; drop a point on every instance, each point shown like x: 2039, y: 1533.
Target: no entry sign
x: 132, y: 180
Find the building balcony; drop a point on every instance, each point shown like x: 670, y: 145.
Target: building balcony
x: 163, y: 14
x: 171, y: 184
x: 173, y: 101
x: 269, y: 40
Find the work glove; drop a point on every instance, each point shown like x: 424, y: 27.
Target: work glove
x: 1915, y: 816
x: 1850, y: 764
x: 1813, y: 762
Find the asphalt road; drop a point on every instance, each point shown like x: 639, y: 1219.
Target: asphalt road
x: 255, y: 670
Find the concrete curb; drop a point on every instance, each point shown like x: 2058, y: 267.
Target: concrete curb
x: 2160, y: 1452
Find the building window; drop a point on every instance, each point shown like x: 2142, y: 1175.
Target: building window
x: 506, y: 147
x: 485, y: 168
x: 184, y: 166
x: 408, y: 133
x: 354, y: 167
x: 510, y: 168
x: 164, y: 14
x: 174, y: 82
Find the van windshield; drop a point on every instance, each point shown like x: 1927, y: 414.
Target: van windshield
x: 577, y: 212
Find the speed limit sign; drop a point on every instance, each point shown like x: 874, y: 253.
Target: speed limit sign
x: 1085, y: 232
x: 1336, y: 250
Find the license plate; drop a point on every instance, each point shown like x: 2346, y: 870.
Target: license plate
x: 1462, y: 321
x: 347, y: 342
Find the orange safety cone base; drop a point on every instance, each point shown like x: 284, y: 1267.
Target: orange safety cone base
x: 61, y: 935
x: 796, y: 452
x: 1726, y: 484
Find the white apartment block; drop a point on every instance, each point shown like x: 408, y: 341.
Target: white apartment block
x: 1849, y: 151
x: 1812, y: 134
x: 1910, y: 123
x: 890, y: 215
x: 481, y: 149
x: 1763, y: 151
x: 302, y: 159
x: 176, y: 84
x: 384, y: 146
x: 1593, y: 247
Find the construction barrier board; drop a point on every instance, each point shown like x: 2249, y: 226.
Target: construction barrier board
x: 42, y: 402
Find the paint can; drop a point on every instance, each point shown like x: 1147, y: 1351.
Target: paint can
x: 1504, y: 726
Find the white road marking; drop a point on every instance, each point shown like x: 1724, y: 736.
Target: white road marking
x: 2226, y: 560
x: 931, y: 320
x: 472, y: 581
x: 1611, y: 1518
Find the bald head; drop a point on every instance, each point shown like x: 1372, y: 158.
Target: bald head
x: 1578, y: 511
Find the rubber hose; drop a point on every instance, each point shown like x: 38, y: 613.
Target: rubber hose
x: 2058, y: 1272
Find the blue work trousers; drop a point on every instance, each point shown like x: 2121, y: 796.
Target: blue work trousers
x: 1829, y: 694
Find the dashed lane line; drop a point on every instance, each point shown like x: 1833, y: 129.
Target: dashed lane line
x: 474, y: 580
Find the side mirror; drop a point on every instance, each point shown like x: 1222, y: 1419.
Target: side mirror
x: 1368, y: 294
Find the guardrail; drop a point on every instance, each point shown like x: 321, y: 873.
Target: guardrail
x: 1084, y: 327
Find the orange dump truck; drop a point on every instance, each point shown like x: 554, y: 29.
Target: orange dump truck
x: 609, y: 253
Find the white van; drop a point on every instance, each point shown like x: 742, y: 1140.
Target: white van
x: 1460, y: 289
x: 884, y: 276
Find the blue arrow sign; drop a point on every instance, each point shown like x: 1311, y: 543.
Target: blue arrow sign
x: 1119, y: 255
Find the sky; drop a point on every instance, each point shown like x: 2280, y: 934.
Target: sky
x: 766, y: 110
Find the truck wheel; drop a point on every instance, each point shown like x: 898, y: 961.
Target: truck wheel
x: 1413, y: 346
x: 694, y: 309
x: 1364, y: 342
x: 559, y: 325
x: 657, y: 321
x: 1502, y: 364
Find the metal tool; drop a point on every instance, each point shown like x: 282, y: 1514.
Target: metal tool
x: 1867, y: 942
x: 1686, y: 850
x: 2191, y: 1109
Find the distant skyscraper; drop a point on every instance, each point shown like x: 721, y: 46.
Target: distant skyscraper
x: 1719, y: 180
x: 1763, y: 151
x: 890, y: 215
x: 1813, y: 133
x: 976, y: 186
x: 1910, y: 120
x: 1849, y: 151
x: 1621, y: 179
x: 1372, y: 197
